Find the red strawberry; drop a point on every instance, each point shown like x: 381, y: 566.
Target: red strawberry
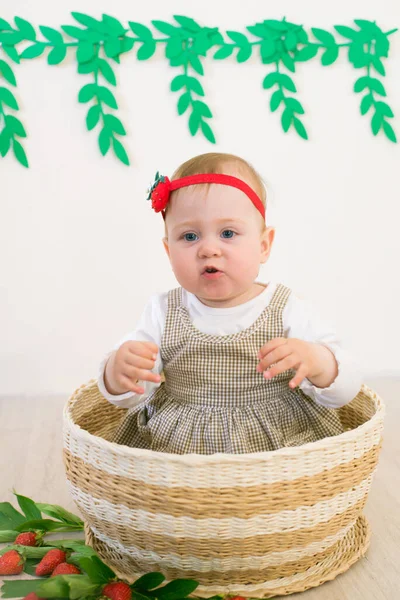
x: 11, y: 563
x: 49, y: 562
x: 32, y: 596
x: 117, y: 590
x: 65, y: 568
x: 160, y: 194
x: 27, y: 539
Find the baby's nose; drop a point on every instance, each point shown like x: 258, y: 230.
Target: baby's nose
x: 208, y: 249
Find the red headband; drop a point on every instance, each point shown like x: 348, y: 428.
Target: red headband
x: 162, y: 187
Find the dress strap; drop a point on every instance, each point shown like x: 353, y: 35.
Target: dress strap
x: 171, y: 327
x: 280, y: 297
x: 175, y: 298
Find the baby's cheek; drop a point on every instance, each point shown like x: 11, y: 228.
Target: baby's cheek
x: 182, y: 264
x: 246, y: 256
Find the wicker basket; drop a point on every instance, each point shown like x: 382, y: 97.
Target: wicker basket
x: 256, y: 525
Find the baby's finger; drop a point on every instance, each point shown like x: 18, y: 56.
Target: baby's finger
x: 139, y: 362
x: 280, y: 367
x: 299, y: 377
x: 129, y: 371
x: 270, y: 346
x: 274, y: 357
x: 145, y: 350
x: 152, y: 347
x: 146, y: 375
x: 131, y: 387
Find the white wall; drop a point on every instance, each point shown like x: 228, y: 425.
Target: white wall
x: 80, y: 248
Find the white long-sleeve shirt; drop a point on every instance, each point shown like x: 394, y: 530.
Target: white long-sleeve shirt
x: 299, y: 321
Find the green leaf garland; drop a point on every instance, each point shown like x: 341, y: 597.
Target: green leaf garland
x: 279, y: 44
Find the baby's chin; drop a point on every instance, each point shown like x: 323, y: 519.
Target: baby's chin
x: 210, y: 290
x: 222, y: 296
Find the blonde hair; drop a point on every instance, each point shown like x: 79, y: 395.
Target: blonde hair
x: 227, y: 164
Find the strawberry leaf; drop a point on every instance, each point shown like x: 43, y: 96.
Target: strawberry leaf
x: 179, y: 588
x: 48, y: 525
x: 8, y: 535
x: 77, y: 546
x: 30, y: 566
x: 58, y: 512
x: 28, y: 507
x: 149, y: 581
x: 28, y: 551
x: 10, y: 518
x: 19, y: 589
x: 67, y: 586
x: 97, y: 571
x: 53, y: 587
x: 138, y: 596
x: 61, y: 586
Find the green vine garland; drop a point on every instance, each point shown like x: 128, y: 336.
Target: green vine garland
x: 280, y: 44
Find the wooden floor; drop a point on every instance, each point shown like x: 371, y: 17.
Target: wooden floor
x: 30, y: 458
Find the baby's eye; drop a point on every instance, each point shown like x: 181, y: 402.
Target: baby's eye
x: 190, y: 237
x: 228, y: 233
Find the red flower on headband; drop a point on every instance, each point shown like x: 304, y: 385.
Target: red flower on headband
x: 159, y: 192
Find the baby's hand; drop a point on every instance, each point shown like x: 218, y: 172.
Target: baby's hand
x: 132, y: 362
x: 311, y: 360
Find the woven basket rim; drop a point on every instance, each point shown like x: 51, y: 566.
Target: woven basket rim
x: 219, y: 457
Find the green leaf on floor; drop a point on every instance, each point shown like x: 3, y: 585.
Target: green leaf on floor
x: 58, y: 512
x: 28, y: 507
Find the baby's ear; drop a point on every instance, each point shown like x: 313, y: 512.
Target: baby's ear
x: 267, y: 239
x: 166, y: 246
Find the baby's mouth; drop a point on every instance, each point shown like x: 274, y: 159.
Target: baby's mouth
x: 211, y: 272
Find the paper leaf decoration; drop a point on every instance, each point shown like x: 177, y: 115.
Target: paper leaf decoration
x: 280, y: 45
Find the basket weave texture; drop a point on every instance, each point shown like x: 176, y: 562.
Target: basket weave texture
x: 256, y: 525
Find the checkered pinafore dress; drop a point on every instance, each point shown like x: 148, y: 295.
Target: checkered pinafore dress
x: 214, y: 400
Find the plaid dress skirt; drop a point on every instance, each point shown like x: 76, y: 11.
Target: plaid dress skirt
x: 214, y: 400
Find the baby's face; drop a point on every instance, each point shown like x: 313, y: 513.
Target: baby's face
x: 216, y: 243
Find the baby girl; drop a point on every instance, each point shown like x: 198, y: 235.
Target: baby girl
x: 224, y: 363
